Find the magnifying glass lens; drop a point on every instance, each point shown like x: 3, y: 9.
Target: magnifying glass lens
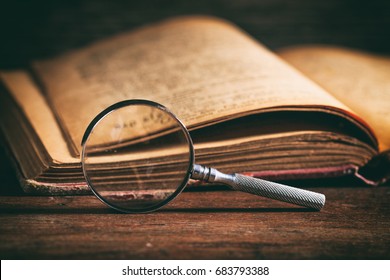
x: 137, y: 156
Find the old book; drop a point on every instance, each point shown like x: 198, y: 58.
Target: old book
x: 304, y: 112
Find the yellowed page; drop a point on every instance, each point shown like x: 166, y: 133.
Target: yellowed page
x: 359, y: 80
x: 203, y: 69
x: 37, y: 111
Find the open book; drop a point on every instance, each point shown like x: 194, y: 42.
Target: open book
x: 305, y: 112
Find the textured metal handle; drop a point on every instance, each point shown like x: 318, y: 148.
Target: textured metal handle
x: 260, y: 187
x: 278, y: 191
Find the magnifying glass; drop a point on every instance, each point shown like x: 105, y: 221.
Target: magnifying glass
x: 137, y: 156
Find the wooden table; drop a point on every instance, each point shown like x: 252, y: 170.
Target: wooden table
x: 354, y: 224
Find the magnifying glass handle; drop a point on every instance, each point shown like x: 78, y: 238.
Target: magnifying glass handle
x: 260, y: 187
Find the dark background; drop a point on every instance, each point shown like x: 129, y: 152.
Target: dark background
x: 42, y: 28
x: 39, y: 29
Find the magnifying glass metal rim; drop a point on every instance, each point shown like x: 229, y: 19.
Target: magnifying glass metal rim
x: 110, y: 110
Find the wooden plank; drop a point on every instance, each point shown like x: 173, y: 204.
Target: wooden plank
x: 41, y: 29
x: 354, y: 224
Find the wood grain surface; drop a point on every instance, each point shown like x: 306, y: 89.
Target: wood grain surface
x: 354, y: 224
